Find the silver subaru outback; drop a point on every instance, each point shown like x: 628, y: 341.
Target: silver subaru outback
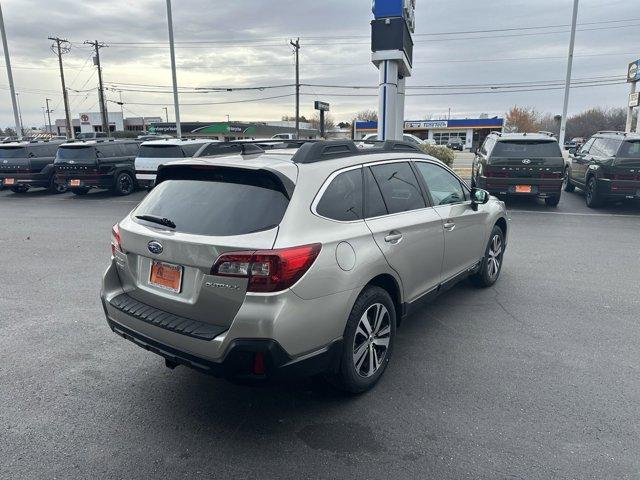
x: 296, y: 261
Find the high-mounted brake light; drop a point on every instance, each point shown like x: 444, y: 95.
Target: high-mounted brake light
x: 115, y: 240
x: 268, y: 270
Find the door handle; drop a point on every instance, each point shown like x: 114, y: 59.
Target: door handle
x: 393, y: 238
x: 449, y: 226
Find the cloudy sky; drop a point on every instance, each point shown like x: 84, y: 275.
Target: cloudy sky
x: 244, y: 43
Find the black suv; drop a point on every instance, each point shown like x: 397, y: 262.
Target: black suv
x: 606, y: 167
x: 520, y: 164
x: 24, y: 165
x: 455, y: 144
x: 104, y: 164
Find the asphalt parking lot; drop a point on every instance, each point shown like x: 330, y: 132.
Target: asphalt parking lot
x: 537, y: 377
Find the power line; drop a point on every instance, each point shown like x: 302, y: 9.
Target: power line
x: 248, y: 100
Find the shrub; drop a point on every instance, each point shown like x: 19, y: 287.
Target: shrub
x: 444, y: 154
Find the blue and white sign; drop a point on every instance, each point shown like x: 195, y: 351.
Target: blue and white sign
x: 395, y: 8
x: 633, y: 74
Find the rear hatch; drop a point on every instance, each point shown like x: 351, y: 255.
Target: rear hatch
x: 208, y: 211
x: 526, y: 159
x: 14, y: 159
x: 150, y: 157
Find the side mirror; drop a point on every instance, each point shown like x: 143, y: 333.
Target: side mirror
x: 473, y: 150
x: 573, y: 151
x: 479, y: 197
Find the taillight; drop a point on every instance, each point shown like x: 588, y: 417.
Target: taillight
x: 268, y: 270
x: 115, y: 240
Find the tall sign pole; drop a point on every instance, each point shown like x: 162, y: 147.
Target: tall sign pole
x: 633, y: 76
x: 176, y: 104
x: 296, y: 47
x: 392, y: 54
x: 567, y: 85
x: 12, y: 90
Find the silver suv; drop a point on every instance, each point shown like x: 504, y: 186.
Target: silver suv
x: 296, y: 261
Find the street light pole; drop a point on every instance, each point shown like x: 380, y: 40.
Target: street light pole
x: 49, y: 115
x: 7, y: 62
x: 567, y: 86
x: 20, y: 115
x: 173, y: 71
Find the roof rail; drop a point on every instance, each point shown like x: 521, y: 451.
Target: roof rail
x: 615, y: 132
x: 312, y: 152
x: 231, y: 148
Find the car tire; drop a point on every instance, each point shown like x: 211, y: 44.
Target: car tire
x: 55, y: 187
x: 20, y: 189
x: 368, y: 341
x: 592, y: 197
x: 566, y: 182
x: 491, y: 265
x: 79, y: 191
x: 552, y: 201
x: 124, y: 184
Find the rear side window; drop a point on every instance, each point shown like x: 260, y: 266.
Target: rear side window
x: 399, y: 187
x: 342, y: 200
x: 190, y: 150
x: 220, y: 202
x: 526, y: 149
x: 630, y: 150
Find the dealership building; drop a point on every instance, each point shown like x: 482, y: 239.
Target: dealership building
x: 92, y: 122
x: 472, y: 131
x: 233, y: 130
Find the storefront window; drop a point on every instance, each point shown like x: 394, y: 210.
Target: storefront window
x: 442, y: 138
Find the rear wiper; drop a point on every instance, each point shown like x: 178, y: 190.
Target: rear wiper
x: 155, y: 219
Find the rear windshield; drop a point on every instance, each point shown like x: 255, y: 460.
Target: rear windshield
x: 13, y: 152
x: 83, y: 153
x: 225, y: 203
x: 629, y: 150
x: 160, y: 151
x: 526, y: 149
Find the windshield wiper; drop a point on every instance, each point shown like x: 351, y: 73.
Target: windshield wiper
x: 155, y: 219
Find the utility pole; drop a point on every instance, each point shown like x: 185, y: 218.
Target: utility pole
x: 12, y: 89
x: 172, y: 51
x: 60, y: 47
x: 49, y: 115
x: 567, y: 86
x: 296, y: 46
x: 103, y: 105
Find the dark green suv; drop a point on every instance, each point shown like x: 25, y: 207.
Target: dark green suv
x: 520, y: 164
x: 606, y: 167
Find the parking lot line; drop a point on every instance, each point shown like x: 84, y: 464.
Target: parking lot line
x: 576, y: 213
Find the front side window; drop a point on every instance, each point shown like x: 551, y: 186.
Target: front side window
x: 342, y: 200
x: 399, y: 187
x: 444, y: 187
x: 587, y: 146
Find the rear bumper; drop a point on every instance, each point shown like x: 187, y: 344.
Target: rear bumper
x: 26, y: 179
x: 540, y: 187
x: 618, y: 189
x: 240, y: 358
x: 145, y: 179
x: 86, y: 181
x: 295, y: 336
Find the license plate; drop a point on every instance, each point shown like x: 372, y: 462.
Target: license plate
x: 523, y: 188
x: 74, y: 183
x: 9, y: 181
x: 166, y: 276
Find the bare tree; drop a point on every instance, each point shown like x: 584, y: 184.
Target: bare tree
x: 593, y: 120
x: 329, y: 122
x: 367, y: 116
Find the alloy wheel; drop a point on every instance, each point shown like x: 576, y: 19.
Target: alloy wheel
x: 495, y: 252
x: 371, y: 340
x: 125, y: 184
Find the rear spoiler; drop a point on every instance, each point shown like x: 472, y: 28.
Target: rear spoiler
x: 181, y: 171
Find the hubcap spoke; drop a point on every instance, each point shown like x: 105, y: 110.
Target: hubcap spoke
x: 381, y: 342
